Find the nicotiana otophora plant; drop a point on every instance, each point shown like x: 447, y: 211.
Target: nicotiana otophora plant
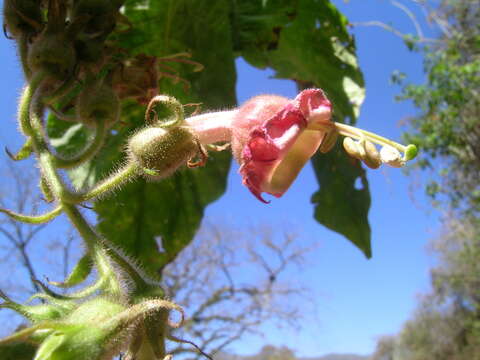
x: 69, y: 64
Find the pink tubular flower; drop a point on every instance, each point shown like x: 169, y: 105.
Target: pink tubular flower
x: 272, y: 137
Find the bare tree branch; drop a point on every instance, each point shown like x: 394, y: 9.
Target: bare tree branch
x: 232, y: 283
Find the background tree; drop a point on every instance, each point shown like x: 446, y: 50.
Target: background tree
x: 446, y: 323
x: 208, y: 277
x: 448, y: 126
x: 232, y: 281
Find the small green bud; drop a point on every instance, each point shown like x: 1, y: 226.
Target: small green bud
x: 86, y: 334
x: 162, y: 150
x: 411, y: 152
x: 98, y: 101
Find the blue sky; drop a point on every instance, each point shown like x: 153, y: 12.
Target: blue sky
x: 356, y: 299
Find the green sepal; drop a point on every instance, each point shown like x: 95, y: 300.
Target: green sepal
x: 25, y: 151
x: 79, y: 273
x: 48, y: 347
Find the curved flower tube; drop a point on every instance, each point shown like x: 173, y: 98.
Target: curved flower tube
x: 272, y: 138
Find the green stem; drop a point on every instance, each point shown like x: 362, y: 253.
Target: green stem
x: 111, y: 183
x: 102, y: 254
x: 25, y: 103
x: 60, y: 91
x: 96, y: 247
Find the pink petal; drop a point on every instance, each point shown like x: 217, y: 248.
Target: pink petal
x: 264, y: 131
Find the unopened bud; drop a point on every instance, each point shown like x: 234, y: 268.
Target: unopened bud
x: 22, y: 17
x: 372, y: 157
x: 162, y: 151
x: 352, y: 148
x: 54, y: 54
x: 411, y: 152
x: 329, y: 141
x: 98, y: 101
x: 391, y: 156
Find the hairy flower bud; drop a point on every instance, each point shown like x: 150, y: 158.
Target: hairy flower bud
x: 97, y: 15
x: 54, y: 54
x: 98, y: 101
x: 22, y: 16
x: 162, y: 151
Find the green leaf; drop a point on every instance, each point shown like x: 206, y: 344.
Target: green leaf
x: 308, y: 41
x: 142, y: 213
x: 339, y: 204
x: 18, y: 351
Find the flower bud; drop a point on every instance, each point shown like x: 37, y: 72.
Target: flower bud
x: 99, y: 16
x: 411, y: 152
x: 329, y: 141
x: 37, y: 313
x: 22, y: 16
x: 54, y: 54
x: 98, y: 101
x: 352, y: 148
x: 162, y: 151
x: 87, y: 334
x: 391, y: 156
x: 372, y: 157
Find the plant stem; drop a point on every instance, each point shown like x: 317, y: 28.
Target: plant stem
x: 25, y: 102
x: 111, y: 183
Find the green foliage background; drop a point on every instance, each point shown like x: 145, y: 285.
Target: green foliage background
x: 304, y: 40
